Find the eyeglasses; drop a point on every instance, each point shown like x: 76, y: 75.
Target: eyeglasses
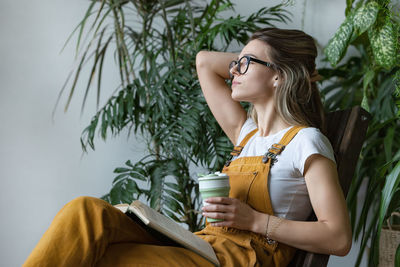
x: 244, y: 62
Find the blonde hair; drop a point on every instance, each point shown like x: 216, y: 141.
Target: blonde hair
x: 297, y: 97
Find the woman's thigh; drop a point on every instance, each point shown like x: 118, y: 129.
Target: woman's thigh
x: 131, y: 254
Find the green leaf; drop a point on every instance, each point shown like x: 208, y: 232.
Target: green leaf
x: 365, y: 17
x: 391, y: 185
x: 383, y: 41
x: 82, y: 24
x: 175, y: 195
x: 172, y: 204
x: 396, y: 80
x: 173, y: 186
x: 116, y: 193
x: 364, y: 103
x: 337, y: 46
x: 224, y: 7
x: 121, y: 170
x: 349, y: 6
x: 388, y: 143
x: 119, y: 177
x: 129, y: 163
x: 106, y: 197
x: 369, y: 76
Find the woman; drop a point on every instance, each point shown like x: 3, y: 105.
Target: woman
x: 282, y: 168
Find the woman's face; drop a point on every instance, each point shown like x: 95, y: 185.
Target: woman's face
x: 257, y: 84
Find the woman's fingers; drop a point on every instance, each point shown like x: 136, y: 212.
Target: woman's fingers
x: 216, y: 208
x: 220, y: 208
x: 217, y: 215
x: 233, y: 212
x: 220, y: 200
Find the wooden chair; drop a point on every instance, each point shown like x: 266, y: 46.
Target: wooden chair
x: 346, y: 129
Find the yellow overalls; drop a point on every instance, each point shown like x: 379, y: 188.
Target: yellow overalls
x: 248, y: 177
x: 91, y: 232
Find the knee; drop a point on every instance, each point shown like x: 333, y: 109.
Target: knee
x: 81, y: 213
x: 82, y: 201
x: 84, y: 204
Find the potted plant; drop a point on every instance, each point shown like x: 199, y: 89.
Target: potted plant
x: 159, y: 96
x: 370, y: 79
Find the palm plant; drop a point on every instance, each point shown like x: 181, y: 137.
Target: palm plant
x: 371, y: 79
x: 159, y: 96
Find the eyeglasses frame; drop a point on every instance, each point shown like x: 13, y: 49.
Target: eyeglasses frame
x: 249, y: 59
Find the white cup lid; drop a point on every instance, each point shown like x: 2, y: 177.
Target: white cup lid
x: 213, y: 175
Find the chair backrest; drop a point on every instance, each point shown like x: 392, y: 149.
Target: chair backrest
x: 346, y: 129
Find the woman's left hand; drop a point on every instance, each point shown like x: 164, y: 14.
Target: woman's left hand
x: 234, y: 213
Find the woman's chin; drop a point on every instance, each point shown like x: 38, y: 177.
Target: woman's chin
x: 236, y: 96
x: 240, y: 98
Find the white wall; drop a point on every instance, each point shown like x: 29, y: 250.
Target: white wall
x: 41, y: 164
x: 40, y: 161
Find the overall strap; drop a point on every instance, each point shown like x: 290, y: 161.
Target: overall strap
x: 277, y: 148
x: 238, y: 149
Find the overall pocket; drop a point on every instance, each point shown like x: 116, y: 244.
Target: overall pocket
x: 240, y: 183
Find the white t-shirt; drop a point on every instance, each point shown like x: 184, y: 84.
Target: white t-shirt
x: 287, y: 187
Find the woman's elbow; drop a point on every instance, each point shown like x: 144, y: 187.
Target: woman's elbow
x: 201, y: 59
x: 343, y: 246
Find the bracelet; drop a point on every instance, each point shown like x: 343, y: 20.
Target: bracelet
x: 275, y: 222
x: 266, y: 230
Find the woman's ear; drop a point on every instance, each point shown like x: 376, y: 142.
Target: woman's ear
x: 276, y: 81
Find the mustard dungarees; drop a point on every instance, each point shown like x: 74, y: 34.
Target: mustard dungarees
x: 248, y: 178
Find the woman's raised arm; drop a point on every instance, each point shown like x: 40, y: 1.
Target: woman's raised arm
x: 212, y: 70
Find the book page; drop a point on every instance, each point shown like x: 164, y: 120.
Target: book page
x: 122, y: 207
x: 173, y: 230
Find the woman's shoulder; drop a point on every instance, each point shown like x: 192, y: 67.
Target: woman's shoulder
x: 312, y: 136
x: 311, y: 132
x: 311, y: 140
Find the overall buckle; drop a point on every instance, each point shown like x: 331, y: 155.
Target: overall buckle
x: 273, y: 151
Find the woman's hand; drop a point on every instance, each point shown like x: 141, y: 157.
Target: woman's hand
x: 234, y: 213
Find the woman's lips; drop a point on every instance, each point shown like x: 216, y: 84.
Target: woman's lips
x: 234, y: 83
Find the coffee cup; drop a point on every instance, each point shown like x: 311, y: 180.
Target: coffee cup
x: 214, y: 185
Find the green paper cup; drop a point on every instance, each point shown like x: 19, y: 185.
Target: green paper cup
x: 214, y: 185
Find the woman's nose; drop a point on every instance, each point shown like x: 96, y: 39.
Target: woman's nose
x: 233, y: 70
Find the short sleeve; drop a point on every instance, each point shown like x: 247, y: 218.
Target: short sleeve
x: 248, y: 126
x: 311, y: 141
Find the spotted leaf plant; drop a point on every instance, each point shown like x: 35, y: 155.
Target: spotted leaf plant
x: 370, y: 77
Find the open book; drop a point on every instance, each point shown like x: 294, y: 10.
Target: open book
x: 167, y: 227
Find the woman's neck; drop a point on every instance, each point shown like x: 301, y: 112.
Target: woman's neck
x: 268, y: 120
